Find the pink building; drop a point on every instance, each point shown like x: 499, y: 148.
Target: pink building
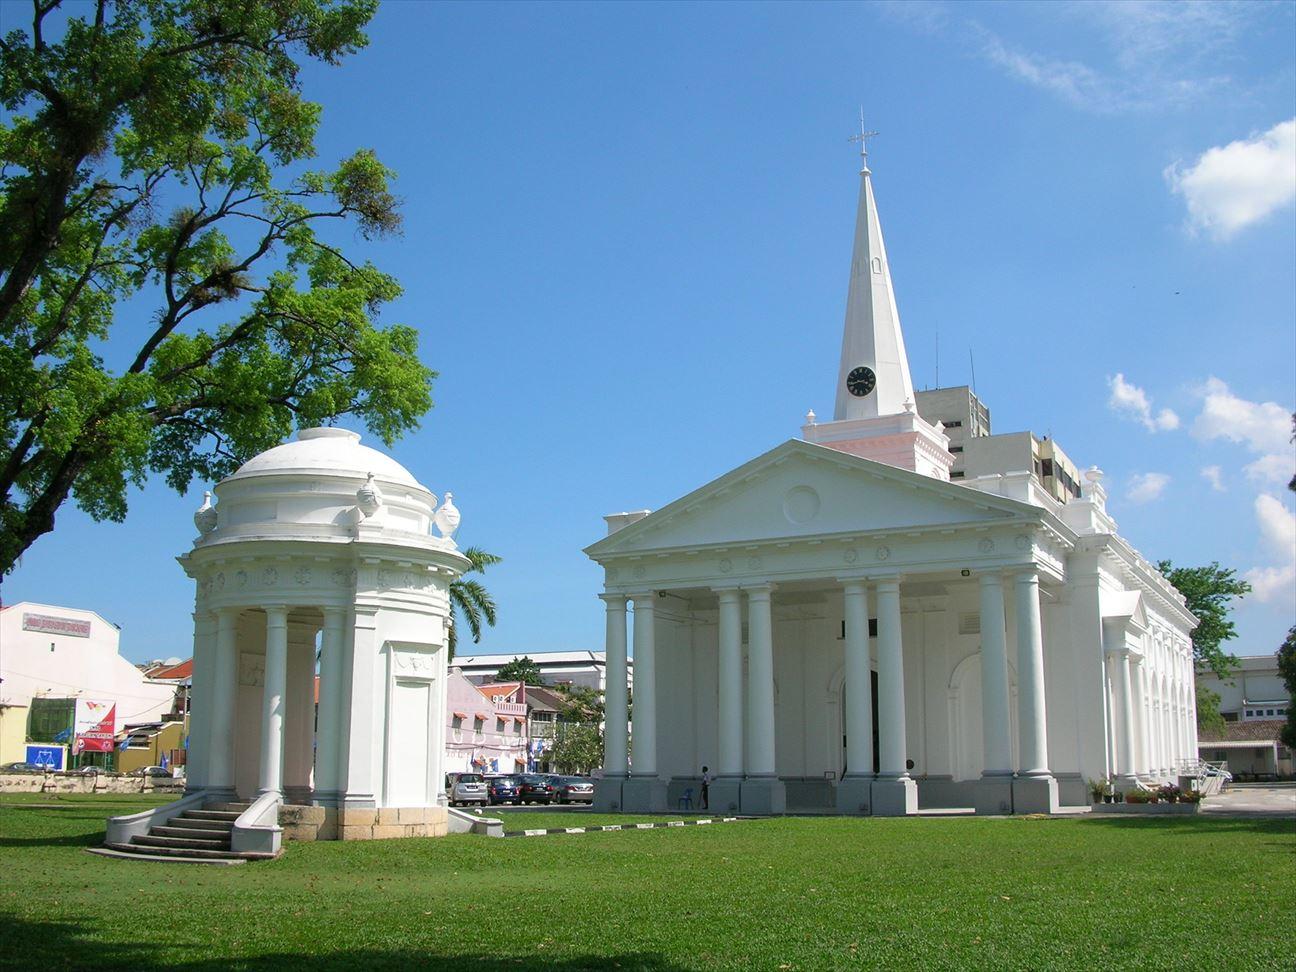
x: 486, y: 728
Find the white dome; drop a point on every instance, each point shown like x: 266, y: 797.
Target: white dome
x: 328, y: 451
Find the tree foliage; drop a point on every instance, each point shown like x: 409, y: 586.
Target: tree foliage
x: 522, y: 669
x: 1210, y: 724
x: 469, y: 598
x: 577, y: 747
x: 580, y: 703
x: 1209, y: 592
x: 1287, y: 669
x: 168, y: 301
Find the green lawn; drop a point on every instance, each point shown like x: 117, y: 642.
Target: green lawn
x: 795, y: 893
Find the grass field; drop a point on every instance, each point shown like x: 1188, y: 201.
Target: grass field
x: 828, y: 893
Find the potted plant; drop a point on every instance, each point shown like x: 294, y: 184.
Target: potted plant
x: 1096, y: 790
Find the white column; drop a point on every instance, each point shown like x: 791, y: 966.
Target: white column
x: 859, y: 682
x: 273, y: 701
x: 995, y: 723
x: 361, y: 654
x: 220, y: 767
x: 730, y: 712
x: 893, y: 751
x: 644, y: 759
x: 201, y: 690
x: 329, y: 731
x: 760, y: 677
x: 1140, y: 718
x: 615, y: 736
x: 1125, y: 757
x: 299, y: 716
x: 1031, y: 713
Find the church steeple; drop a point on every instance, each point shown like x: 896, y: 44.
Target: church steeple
x: 873, y: 378
x: 876, y: 416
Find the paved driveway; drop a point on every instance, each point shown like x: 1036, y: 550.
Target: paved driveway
x: 1254, y: 800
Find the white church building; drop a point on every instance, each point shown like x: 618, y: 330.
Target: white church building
x: 837, y: 624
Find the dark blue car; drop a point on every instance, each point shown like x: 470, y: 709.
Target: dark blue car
x: 504, y: 789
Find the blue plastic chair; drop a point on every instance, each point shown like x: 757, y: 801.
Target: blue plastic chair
x: 687, y: 798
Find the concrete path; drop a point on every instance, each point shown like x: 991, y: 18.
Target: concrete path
x: 1253, y: 800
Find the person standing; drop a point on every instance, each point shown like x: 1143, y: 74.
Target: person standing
x: 706, y: 786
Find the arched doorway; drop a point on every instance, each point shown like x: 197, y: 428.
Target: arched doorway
x: 967, y: 744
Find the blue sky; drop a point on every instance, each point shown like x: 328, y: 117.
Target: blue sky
x: 627, y: 234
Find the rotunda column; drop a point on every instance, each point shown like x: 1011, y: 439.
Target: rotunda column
x: 220, y: 772
x: 273, y: 701
x: 329, y: 728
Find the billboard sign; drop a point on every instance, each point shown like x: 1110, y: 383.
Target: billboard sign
x: 53, y: 758
x: 94, y: 726
x: 48, y: 624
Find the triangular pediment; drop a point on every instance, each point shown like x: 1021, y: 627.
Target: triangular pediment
x: 801, y: 491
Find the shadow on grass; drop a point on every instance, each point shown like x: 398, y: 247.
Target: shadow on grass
x: 68, y: 945
x: 1205, y: 826
x: 89, y: 839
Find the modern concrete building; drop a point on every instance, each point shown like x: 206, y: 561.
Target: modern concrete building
x: 52, y: 652
x: 1254, y: 703
x: 837, y: 624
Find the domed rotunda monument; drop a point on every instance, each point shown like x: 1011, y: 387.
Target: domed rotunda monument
x: 320, y: 548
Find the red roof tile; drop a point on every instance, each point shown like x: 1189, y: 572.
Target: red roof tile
x: 1255, y: 730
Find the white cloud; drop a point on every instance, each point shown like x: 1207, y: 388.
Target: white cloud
x: 1131, y: 400
x: 1278, y: 531
x: 1273, y: 468
x: 1232, y: 186
x: 1145, y: 487
x: 1212, y: 475
x: 1263, y: 427
x: 1148, y: 55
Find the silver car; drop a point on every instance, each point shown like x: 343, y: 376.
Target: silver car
x: 464, y: 788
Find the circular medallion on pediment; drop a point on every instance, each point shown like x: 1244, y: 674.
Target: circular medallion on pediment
x: 1022, y: 541
x: 302, y: 576
x: 986, y: 545
x: 754, y: 563
x: 220, y: 581
x: 240, y: 579
x: 801, y: 504
x: 384, y: 578
x: 339, y: 577
x: 851, y: 555
x: 638, y: 573
x: 269, y: 577
x: 726, y: 565
x: 882, y: 553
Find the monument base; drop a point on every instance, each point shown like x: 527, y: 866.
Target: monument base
x: 763, y: 796
x: 725, y: 795
x: 643, y: 794
x: 1035, y: 794
x: 855, y: 795
x: 994, y: 795
x: 896, y: 797
x: 607, y: 794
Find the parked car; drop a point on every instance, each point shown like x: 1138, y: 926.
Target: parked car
x: 537, y: 789
x: 575, y: 789
x: 21, y: 767
x: 150, y: 771
x: 466, y: 788
x: 503, y: 789
x: 86, y: 771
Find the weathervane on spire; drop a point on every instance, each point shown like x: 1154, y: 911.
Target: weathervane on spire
x: 863, y: 137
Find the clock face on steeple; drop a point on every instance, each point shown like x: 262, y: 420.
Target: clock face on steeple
x: 860, y: 381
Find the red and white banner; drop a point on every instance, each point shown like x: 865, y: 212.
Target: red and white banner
x: 94, y: 726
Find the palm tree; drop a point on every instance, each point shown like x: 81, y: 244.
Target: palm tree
x: 470, y: 598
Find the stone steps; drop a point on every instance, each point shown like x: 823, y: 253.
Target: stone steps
x: 193, y: 835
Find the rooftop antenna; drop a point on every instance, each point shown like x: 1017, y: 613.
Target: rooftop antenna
x: 938, y: 384
x: 972, y: 362
x: 863, y: 137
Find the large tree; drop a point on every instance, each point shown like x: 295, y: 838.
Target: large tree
x: 522, y: 669
x: 169, y: 300
x: 1287, y: 669
x: 1209, y: 592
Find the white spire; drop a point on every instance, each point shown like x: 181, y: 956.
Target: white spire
x: 872, y: 337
